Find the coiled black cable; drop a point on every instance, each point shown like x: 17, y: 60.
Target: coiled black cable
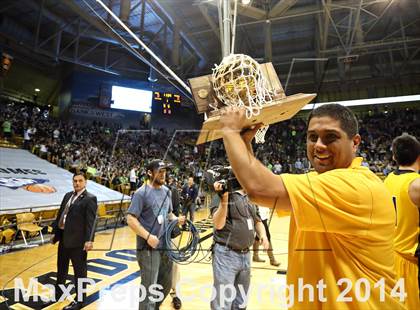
x: 174, y: 251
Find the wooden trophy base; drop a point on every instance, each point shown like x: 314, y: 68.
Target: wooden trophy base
x: 275, y: 112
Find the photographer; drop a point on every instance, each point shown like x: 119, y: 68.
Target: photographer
x: 235, y: 221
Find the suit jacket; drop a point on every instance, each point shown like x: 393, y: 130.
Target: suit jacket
x: 80, y: 221
x: 190, y: 193
x: 175, y: 200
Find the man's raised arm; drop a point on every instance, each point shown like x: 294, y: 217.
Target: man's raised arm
x: 261, y: 184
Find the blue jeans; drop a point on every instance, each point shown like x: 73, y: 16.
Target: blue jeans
x: 155, y: 268
x: 232, y: 268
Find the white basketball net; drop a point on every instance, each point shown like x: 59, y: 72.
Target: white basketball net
x: 239, y: 81
x: 260, y: 134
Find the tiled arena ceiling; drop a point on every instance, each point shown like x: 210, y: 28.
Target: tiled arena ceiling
x: 362, y: 39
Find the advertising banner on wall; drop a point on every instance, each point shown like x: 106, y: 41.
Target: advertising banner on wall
x: 84, y: 110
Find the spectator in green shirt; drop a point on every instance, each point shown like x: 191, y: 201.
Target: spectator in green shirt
x: 7, y: 129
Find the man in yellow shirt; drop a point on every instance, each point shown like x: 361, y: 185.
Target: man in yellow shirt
x: 404, y: 186
x: 342, y: 218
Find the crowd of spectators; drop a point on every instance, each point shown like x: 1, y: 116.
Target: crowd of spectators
x: 107, y: 152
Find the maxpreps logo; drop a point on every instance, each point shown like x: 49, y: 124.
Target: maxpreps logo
x: 34, y: 185
x: 29, y: 184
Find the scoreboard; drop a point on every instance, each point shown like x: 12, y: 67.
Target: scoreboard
x: 166, y: 103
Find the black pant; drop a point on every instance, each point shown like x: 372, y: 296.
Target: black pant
x: 267, y: 231
x: 78, y: 258
x: 189, y: 207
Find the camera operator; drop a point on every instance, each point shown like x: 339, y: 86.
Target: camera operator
x: 235, y: 221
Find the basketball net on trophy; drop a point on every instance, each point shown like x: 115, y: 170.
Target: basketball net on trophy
x: 238, y: 81
x: 242, y: 82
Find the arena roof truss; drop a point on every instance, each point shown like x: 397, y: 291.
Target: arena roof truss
x: 374, y: 40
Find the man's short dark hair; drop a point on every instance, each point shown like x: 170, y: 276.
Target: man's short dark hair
x: 79, y: 173
x: 406, y: 149
x: 347, y: 119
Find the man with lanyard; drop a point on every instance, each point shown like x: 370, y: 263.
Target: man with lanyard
x: 148, y: 216
x: 235, y: 222
x: 342, y: 220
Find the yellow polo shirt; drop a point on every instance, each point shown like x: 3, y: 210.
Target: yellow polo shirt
x: 341, y: 232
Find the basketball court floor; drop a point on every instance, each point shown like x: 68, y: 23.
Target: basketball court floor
x: 113, y: 267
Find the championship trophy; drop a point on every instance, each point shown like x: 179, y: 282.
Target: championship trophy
x: 241, y: 81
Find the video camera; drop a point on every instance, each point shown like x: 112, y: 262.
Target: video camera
x: 223, y: 175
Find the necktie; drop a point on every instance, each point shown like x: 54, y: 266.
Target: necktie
x: 66, y: 210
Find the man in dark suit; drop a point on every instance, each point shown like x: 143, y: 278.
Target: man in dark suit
x: 190, y: 193
x: 74, y: 229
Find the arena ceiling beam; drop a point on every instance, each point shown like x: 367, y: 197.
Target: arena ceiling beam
x: 392, y: 43
x: 356, y: 30
x: 166, y: 11
x: 374, y: 44
x: 245, y: 10
x: 285, y: 59
x: 96, y: 23
x: 318, y: 42
x: 301, y: 11
x: 380, y: 17
x: 250, y: 11
x: 38, y: 24
x: 69, y: 26
x: 76, y: 39
x: 24, y: 53
x: 375, y: 63
x: 353, y: 26
x: 408, y: 60
x: 204, y: 10
x: 324, y: 29
x: 42, y: 55
x: 176, y: 39
x: 131, y: 48
x: 281, y: 7
x: 291, y: 14
x: 303, y: 81
x: 403, y: 36
x: 87, y: 32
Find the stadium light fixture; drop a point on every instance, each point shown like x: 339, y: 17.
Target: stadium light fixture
x: 37, y: 90
x: 372, y: 101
